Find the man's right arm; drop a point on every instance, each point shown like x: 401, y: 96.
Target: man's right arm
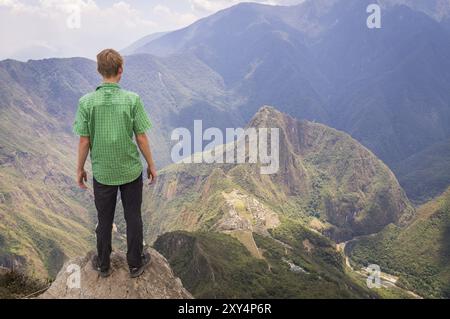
x: 144, y: 146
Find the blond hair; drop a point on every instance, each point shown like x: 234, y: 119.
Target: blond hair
x: 108, y: 63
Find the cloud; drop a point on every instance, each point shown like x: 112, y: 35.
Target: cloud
x: 210, y: 6
x: 67, y: 27
x: 172, y: 19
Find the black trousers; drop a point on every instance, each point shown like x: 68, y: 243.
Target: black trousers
x: 105, y: 197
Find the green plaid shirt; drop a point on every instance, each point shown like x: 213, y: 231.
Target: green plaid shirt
x: 110, y: 116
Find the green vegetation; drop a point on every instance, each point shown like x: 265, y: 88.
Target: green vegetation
x: 418, y: 254
x: 319, y: 248
x: 43, y: 220
x: 214, y: 265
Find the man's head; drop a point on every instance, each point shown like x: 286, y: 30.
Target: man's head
x: 110, y: 65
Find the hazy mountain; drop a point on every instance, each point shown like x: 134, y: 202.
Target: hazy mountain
x: 438, y: 9
x: 176, y: 91
x: 273, y: 65
x: 35, y: 52
x: 143, y: 41
x: 419, y: 253
x: 426, y: 174
x: 391, y: 82
x: 386, y: 87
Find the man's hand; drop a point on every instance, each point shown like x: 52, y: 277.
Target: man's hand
x: 82, y: 178
x: 151, y: 174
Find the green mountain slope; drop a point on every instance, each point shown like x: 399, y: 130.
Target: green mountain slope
x: 326, y: 180
x: 44, y: 218
x: 418, y: 253
x: 214, y: 265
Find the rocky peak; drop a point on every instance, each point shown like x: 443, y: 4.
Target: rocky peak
x: 157, y: 282
x: 311, y: 167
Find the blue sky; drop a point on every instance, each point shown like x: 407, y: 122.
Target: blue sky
x: 64, y: 28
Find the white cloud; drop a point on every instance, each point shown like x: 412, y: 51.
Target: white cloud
x: 27, y: 28
x: 172, y: 19
x: 210, y: 6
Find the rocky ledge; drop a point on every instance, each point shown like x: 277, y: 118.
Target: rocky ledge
x: 78, y: 280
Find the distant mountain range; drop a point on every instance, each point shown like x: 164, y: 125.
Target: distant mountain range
x: 318, y: 60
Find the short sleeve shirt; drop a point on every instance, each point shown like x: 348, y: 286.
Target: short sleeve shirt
x: 110, y: 116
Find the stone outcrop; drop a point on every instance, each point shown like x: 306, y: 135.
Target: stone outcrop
x: 78, y: 280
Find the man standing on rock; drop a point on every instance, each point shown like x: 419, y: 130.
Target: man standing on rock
x: 106, y: 121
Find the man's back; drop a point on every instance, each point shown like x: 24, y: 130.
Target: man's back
x: 106, y: 121
x: 110, y: 116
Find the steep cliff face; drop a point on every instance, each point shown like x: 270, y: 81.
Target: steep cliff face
x: 157, y: 281
x: 346, y: 183
x: 326, y: 180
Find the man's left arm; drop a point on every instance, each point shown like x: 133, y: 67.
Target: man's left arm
x: 141, y: 124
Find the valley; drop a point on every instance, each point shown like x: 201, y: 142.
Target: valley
x: 388, y: 283
x: 416, y: 253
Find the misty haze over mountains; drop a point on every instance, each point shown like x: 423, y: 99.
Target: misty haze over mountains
x: 318, y: 63
x: 386, y: 87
